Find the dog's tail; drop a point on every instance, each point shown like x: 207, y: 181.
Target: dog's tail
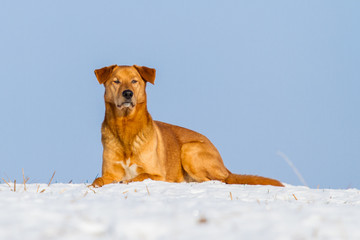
x: 251, y: 180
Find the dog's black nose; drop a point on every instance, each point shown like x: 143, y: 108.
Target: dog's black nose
x: 127, y: 94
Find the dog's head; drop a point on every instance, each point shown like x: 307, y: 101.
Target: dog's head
x: 125, y: 85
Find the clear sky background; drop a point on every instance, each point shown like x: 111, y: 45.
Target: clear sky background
x: 255, y: 77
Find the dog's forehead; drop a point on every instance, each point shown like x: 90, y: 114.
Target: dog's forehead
x: 125, y: 72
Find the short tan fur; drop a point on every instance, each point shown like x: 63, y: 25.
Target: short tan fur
x: 136, y: 147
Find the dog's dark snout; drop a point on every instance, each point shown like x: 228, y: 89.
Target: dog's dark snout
x: 127, y: 94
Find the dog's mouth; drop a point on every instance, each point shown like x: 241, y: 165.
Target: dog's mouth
x: 125, y: 105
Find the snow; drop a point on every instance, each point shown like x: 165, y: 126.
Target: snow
x: 160, y: 210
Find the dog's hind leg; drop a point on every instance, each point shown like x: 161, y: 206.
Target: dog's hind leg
x: 202, y: 162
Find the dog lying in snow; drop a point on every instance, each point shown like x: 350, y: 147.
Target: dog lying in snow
x: 136, y: 147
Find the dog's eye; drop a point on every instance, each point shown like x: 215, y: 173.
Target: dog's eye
x: 134, y: 81
x: 116, y: 81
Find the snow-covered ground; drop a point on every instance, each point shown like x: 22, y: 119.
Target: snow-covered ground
x: 159, y: 210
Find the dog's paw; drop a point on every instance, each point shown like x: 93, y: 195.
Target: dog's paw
x: 99, y: 182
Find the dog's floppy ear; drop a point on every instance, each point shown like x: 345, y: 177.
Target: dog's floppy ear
x: 148, y: 74
x: 103, y: 74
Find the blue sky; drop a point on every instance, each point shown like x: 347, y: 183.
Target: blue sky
x: 255, y: 77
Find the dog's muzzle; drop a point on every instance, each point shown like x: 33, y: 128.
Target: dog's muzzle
x: 128, y: 103
x: 128, y: 94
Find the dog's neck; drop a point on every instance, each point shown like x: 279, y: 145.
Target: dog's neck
x: 131, y: 127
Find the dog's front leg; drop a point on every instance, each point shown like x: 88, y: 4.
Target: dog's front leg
x: 112, y: 169
x: 101, y: 181
x: 141, y: 177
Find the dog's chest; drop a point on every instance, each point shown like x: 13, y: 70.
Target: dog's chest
x: 130, y: 169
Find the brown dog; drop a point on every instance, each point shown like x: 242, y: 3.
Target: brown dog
x: 138, y: 148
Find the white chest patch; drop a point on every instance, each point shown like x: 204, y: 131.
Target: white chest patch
x: 129, y: 169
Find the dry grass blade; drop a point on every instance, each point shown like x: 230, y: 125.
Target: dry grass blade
x: 8, y: 178
x: 6, y: 182
x: 42, y: 191
x: 24, y: 179
x: 231, y: 196
x: 51, y: 178
x: 147, y: 190
x: 296, y: 171
x: 15, y: 185
x: 38, y: 189
x: 295, y: 197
